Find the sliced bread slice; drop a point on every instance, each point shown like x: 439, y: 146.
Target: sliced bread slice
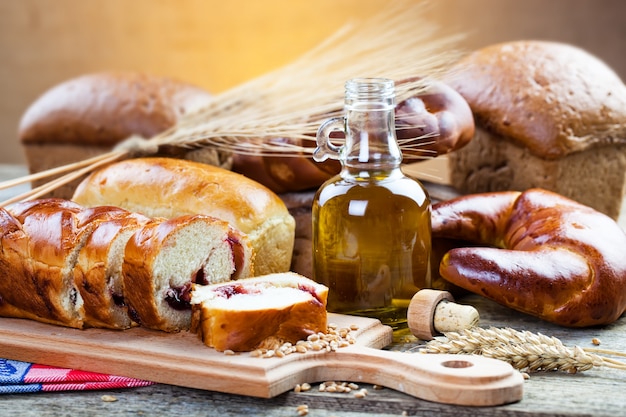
x: 240, y: 315
x: 98, y: 271
x: 166, y: 256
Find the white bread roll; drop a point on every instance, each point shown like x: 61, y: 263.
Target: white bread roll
x: 169, y: 187
x: 240, y: 315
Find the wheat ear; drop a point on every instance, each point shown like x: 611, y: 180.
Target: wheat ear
x: 524, y: 350
x: 292, y: 101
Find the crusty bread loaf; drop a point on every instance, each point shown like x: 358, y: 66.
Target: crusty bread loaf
x: 537, y: 252
x: 240, y: 315
x: 90, y: 114
x: 168, y: 187
x: 548, y: 115
x: 166, y: 256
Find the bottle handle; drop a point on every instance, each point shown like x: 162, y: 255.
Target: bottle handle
x: 325, y: 148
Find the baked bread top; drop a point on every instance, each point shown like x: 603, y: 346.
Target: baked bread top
x: 102, y: 109
x: 551, y: 97
x: 170, y: 187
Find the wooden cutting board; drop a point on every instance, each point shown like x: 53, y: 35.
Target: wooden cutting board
x: 181, y: 359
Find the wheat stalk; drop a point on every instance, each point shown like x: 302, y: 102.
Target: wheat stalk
x: 524, y: 350
x: 292, y: 101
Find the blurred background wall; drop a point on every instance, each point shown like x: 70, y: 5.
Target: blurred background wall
x: 219, y: 44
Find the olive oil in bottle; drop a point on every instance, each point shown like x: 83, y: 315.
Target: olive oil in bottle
x: 371, y: 223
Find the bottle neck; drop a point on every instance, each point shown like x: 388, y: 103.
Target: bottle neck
x: 370, y: 142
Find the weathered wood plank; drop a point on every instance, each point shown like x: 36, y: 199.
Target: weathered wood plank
x: 598, y: 392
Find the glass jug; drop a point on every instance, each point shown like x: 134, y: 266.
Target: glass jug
x: 371, y: 223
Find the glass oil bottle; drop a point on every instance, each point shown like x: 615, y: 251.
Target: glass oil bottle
x: 371, y: 223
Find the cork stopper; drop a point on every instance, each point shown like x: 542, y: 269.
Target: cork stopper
x: 432, y: 312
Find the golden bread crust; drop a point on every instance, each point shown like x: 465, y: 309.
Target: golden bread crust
x: 169, y: 187
x: 547, y: 255
x: 553, y: 98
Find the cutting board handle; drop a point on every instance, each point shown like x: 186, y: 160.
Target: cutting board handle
x: 451, y: 379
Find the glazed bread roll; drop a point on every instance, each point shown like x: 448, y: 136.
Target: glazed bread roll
x: 435, y: 122
x: 90, y: 114
x: 168, y: 187
x: 240, y: 315
x: 548, y: 115
x: 542, y: 254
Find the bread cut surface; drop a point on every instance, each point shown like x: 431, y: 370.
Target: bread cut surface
x: 240, y: 315
x: 166, y: 256
x: 168, y: 187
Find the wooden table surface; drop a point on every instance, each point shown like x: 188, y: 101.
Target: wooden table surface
x: 597, y: 392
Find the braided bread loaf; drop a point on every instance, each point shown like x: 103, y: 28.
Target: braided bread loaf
x: 64, y: 264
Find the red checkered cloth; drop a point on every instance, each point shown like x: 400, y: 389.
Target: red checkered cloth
x: 22, y: 377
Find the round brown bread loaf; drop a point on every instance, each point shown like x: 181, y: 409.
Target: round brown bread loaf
x: 105, y: 108
x: 553, y: 98
x: 169, y: 187
x: 90, y: 114
x: 548, y: 115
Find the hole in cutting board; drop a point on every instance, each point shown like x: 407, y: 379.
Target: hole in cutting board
x: 457, y: 364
